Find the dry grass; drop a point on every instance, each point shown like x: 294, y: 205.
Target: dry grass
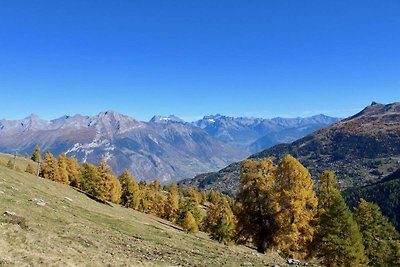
x: 77, y: 231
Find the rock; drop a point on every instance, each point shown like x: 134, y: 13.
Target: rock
x: 39, y: 202
x: 9, y: 213
x: 69, y: 199
x: 1, y: 192
x: 293, y: 261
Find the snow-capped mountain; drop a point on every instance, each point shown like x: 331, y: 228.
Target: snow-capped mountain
x: 256, y: 134
x: 168, y: 149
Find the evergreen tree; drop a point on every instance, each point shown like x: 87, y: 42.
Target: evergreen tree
x: 258, y: 198
x: 189, y: 223
x: 381, y: 240
x: 73, y: 172
x: 297, y: 208
x: 62, y: 161
x: 129, y: 191
x: 36, y: 157
x: 30, y: 169
x: 220, y: 222
x: 10, y: 164
x: 49, y: 168
x: 338, y: 240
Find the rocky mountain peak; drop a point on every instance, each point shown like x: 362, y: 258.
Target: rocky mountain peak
x: 166, y: 119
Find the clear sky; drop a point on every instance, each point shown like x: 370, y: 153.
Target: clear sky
x: 196, y: 57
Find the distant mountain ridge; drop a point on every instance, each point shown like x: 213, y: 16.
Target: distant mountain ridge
x: 361, y: 149
x: 166, y: 147
x: 257, y: 134
x: 168, y: 151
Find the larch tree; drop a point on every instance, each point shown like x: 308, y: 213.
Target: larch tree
x: 220, y: 222
x: 189, y: 204
x: 338, y: 241
x: 88, y: 174
x: 73, y: 172
x: 129, y: 191
x: 380, y: 238
x: 62, y: 161
x: 49, y: 168
x: 172, y: 205
x: 36, y: 157
x: 297, y: 208
x: 106, y: 185
x: 10, y: 164
x: 258, y: 203
x: 30, y: 169
x: 189, y: 223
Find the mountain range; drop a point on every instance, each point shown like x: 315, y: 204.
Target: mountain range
x: 361, y: 149
x: 257, y: 134
x: 166, y: 147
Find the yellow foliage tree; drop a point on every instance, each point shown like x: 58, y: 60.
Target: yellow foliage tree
x: 73, y: 173
x: 258, y: 203
x: 129, y: 190
x: 297, y: 208
x: 62, y: 166
x: 172, y: 205
x: 106, y: 186
x: 220, y: 222
x: 189, y: 224
x: 30, y: 169
x: 49, y: 168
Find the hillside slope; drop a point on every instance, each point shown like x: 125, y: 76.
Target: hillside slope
x: 385, y: 193
x: 73, y: 230
x: 361, y: 150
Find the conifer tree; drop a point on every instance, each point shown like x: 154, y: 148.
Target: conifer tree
x: 297, y: 208
x: 10, y: 164
x: 36, y: 157
x: 172, y: 205
x: 258, y: 198
x: 129, y: 191
x: 156, y: 185
x: 106, y: 186
x: 189, y: 204
x: 49, y: 168
x: 73, y: 172
x: 220, y: 222
x: 338, y: 241
x: 380, y: 238
x: 189, y: 223
x: 158, y: 205
x: 62, y: 166
x: 30, y: 169
x: 88, y: 174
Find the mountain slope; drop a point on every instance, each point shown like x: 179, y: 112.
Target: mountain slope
x: 73, y: 230
x: 361, y: 150
x: 168, y: 151
x: 385, y: 193
x: 256, y: 134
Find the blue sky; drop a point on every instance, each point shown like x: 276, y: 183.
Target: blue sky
x: 192, y: 58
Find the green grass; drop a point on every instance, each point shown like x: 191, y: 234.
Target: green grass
x: 21, y: 162
x: 83, y: 232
